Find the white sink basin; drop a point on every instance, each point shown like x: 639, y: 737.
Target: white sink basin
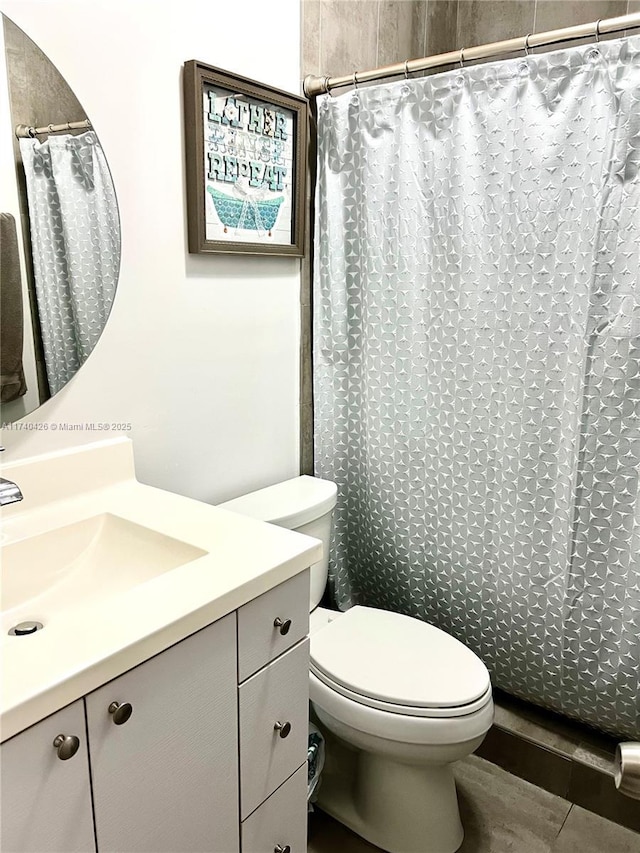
x: 90, y: 560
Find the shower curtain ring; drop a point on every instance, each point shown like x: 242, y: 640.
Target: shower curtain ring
x: 462, y: 50
x: 355, y: 79
x: 598, y: 30
x: 406, y: 69
x: 526, y: 43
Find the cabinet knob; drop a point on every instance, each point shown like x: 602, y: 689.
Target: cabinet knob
x: 67, y: 746
x: 283, y: 626
x: 120, y: 713
x: 280, y: 849
x: 282, y: 728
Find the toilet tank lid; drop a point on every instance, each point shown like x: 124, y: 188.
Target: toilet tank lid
x: 291, y: 503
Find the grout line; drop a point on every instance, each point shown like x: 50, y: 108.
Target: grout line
x: 378, y: 36
x: 425, y: 39
x: 535, y: 15
x: 455, y: 25
x: 566, y: 818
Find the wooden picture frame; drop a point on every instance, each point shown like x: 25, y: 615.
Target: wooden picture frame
x: 246, y: 164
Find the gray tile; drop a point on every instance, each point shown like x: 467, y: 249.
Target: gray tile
x: 527, y: 760
x: 552, y: 730
x: 634, y: 6
x: 594, y: 790
x: 483, y: 21
x: 584, y: 832
x: 538, y: 725
x: 311, y: 34
x: 536, y: 732
x: 306, y: 439
x: 419, y: 37
x: 442, y: 19
x: 326, y: 835
x: 349, y: 36
x: 503, y: 814
x: 555, y: 14
x: 305, y: 285
x: 400, y: 30
x: 306, y: 398
x: 39, y: 93
x: 593, y: 756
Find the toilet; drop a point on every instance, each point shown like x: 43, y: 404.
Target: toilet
x: 398, y: 700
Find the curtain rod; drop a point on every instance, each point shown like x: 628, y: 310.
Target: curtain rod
x: 313, y: 85
x: 23, y: 131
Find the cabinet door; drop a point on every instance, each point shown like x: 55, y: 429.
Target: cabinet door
x: 166, y: 779
x: 46, y: 801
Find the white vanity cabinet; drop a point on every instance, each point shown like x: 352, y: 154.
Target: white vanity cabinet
x: 178, y: 754
x: 163, y: 746
x: 46, y: 795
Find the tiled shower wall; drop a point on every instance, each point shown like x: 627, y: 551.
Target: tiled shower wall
x: 342, y: 36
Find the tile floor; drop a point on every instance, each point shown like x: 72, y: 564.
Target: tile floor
x: 502, y: 814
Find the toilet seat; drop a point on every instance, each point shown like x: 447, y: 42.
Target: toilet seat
x: 399, y: 665
x: 400, y: 727
x: 395, y: 707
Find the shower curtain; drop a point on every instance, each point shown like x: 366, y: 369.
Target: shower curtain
x: 75, y: 241
x: 477, y: 364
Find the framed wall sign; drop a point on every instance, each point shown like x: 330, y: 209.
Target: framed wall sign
x: 246, y: 164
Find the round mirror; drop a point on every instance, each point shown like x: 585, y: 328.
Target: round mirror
x: 59, y: 230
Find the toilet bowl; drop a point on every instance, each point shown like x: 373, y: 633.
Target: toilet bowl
x: 398, y: 700
x: 410, y: 700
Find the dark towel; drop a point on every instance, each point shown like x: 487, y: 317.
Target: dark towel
x: 12, y: 384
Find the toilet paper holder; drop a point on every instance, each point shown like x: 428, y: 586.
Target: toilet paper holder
x: 627, y: 769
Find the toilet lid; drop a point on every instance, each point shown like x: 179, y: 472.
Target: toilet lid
x: 398, y: 659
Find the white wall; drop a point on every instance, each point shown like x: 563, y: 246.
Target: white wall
x: 200, y: 353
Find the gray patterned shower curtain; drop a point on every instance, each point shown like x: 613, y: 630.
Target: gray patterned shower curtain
x: 477, y: 364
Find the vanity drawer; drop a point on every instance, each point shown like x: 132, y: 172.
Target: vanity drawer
x: 260, y: 640
x: 278, y: 695
x: 281, y: 821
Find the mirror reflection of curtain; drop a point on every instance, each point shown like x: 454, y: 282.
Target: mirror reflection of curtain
x: 75, y: 237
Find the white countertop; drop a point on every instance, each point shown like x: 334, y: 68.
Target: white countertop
x: 79, y: 650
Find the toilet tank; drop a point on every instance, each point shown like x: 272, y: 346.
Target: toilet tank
x: 304, y: 504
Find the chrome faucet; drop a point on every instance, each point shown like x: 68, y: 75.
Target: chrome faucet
x: 9, y: 491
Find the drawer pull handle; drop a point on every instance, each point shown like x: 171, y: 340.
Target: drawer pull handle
x: 67, y: 746
x: 284, y: 626
x: 283, y: 728
x: 120, y: 713
x: 280, y: 849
